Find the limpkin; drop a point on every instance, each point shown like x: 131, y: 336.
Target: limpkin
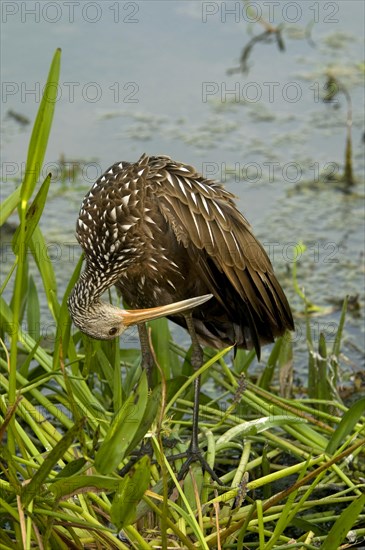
x: 162, y: 233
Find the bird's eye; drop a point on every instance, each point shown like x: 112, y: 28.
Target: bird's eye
x: 113, y: 331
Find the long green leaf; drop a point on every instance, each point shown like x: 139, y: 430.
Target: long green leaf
x: 8, y: 205
x: 33, y: 488
x: 8, y: 324
x: 286, y: 365
x: 312, y: 364
x: 154, y: 401
x: 323, y: 389
x: 123, y: 429
x: 71, y: 469
x: 345, y: 427
x: 254, y: 427
x: 22, y: 289
x: 243, y: 360
x: 160, y: 341
x: 33, y: 215
x: 80, y: 483
x: 343, y: 524
x: 117, y: 386
x: 63, y: 342
x: 41, y: 129
x: 33, y: 310
x: 107, y: 369
x: 130, y: 492
x: 337, y: 342
x: 268, y: 372
x: 39, y: 250
x: 36, y: 153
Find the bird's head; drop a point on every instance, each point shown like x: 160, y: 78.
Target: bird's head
x: 104, y: 321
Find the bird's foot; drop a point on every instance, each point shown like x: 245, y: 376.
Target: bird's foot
x: 194, y: 455
x: 145, y: 450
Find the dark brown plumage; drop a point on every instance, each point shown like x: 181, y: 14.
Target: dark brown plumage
x: 162, y: 233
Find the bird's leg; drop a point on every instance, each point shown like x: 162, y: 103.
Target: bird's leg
x: 194, y: 453
x: 196, y: 361
x: 147, y: 365
x: 147, y: 358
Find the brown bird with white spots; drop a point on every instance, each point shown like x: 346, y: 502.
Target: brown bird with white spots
x: 162, y: 233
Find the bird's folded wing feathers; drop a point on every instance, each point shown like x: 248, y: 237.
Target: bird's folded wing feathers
x: 207, y: 217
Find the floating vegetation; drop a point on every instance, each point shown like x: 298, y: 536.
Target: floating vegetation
x: 338, y: 40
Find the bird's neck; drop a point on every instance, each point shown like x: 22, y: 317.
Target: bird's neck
x: 88, y: 289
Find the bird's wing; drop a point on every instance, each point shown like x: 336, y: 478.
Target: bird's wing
x: 203, y: 213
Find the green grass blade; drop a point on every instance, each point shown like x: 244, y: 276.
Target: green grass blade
x: 38, y: 247
x: 286, y: 365
x: 36, y: 153
x: 8, y: 277
x: 287, y: 513
x: 122, y: 429
x: 254, y: 427
x: 243, y: 360
x: 160, y: 341
x: 41, y: 129
x: 26, y: 364
x: 8, y: 205
x: 78, y: 483
x: 106, y: 368
x: 33, y: 215
x: 188, y: 515
x: 323, y: 389
x: 130, y: 491
x: 150, y: 414
x: 117, y: 381
x: 337, y: 342
x: 268, y: 372
x: 71, y: 469
x: 343, y: 525
x: 312, y: 364
x: 33, y: 310
x: 64, y: 343
x: 345, y: 427
x: 21, y: 301
x: 31, y: 490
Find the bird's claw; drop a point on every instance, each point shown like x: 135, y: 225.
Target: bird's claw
x: 193, y: 455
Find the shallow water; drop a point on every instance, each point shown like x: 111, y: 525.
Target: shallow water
x: 152, y: 77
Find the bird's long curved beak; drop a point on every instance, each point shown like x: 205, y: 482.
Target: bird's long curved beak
x: 135, y: 316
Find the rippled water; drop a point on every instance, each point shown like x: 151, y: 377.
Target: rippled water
x: 152, y: 77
